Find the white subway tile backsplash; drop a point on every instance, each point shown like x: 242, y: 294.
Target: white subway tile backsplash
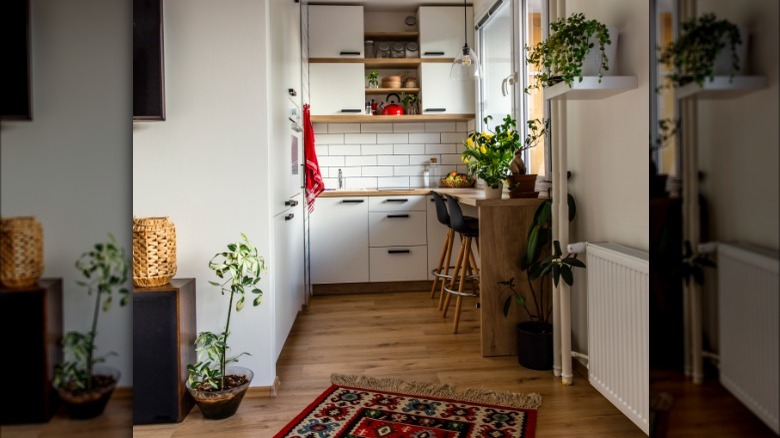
x: 376, y: 149
x: 322, y: 149
x: 331, y: 161
x: 453, y: 137
x: 408, y: 170
x: 378, y: 171
x: 440, y: 127
x: 439, y: 148
x: 320, y: 128
x: 409, y: 127
x: 392, y: 138
x: 329, y: 139
x: 451, y: 159
x: 421, y: 159
x: 340, y: 128
x: 346, y: 171
x: 342, y: 149
x: 361, y: 138
x: 409, y: 149
x: 462, y: 126
x: 392, y: 160
x: 361, y: 183
x: 471, y: 125
x: 428, y: 137
x: 393, y: 182
x: 367, y: 160
x: 331, y: 183
x: 376, y: 127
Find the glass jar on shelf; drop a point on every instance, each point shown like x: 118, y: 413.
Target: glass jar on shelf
x: 412, y: 50
x: 369, y: 49
x: 383, y: 49
x: 398, y: 50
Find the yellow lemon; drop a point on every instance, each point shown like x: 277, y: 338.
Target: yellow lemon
x: 483, y: 149
x: 470, y: 143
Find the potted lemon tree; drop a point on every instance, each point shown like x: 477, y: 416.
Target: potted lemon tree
x: 217, y: 387
x: 489, y: 153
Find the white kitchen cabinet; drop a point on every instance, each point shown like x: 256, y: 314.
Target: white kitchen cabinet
x: 335, y: 31
x: 398, y: 263
x: 339, y: 240
x: 397, y: 236
x: 337, y: 89
x: 441, y: 31
x: 394, y: 228
x: 440, y: 95
x: 287, y: 266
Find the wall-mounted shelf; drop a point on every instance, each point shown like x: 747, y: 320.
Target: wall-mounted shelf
x: 397, y: 63
x: 408, y: 118
x: 391, y: 90
x: 590, y: 88
x: 392, y: 36
x: 723, y: 87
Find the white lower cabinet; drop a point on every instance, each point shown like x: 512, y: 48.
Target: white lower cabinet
x: 339, y: 240
x: 398, y: 238
x: 398, y: 263
x: 287, y: 265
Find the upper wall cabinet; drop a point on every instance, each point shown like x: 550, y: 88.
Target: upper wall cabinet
x: 441, y: 95
x: 337, y: 89
x: 441, y: 30
x: 335, y: 31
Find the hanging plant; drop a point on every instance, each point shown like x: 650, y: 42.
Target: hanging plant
x: 692, y: 56
x: 559, y: 58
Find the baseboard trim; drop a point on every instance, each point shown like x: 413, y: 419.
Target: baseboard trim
x: 265, y: 391
x: 123, y: 392
x: 371, y: 288
x: 579, y: 369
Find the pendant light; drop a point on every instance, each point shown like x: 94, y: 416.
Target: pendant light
x: 466, y: 64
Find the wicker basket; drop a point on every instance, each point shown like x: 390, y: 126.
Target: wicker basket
x: 154, y: 251
x: 21, y: 251
x: 460, y: 184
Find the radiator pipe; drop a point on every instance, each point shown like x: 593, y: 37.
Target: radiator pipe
x: 708, y: 247
x: 556, y: 181
x: 583, y: 356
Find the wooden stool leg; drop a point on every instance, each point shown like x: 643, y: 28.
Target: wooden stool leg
x: 447, y: 266
x: 461, y: 255
x: 462, y: 284
x: 441, y: 260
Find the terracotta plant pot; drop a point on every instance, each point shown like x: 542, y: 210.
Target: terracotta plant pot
x: 216, y: 405
x: 522, y: 186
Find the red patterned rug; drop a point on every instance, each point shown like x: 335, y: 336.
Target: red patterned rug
x: 359, y: 406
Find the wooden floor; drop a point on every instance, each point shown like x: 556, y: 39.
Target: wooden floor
x: 402, y: 335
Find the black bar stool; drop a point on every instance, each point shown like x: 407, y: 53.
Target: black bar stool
x: 446, y: 251
x: 468, y: 227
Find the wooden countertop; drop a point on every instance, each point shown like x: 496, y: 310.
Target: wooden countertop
x: 472, y: 197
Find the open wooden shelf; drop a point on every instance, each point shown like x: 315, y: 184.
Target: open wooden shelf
x: 723, y: 87
x: 591, y: 88
x: 391, y: 90
x: 392, y: 36
x: 397, y: 63
x: 407, y: 118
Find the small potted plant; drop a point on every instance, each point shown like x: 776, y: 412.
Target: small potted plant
x: 534, y: 336
x: 693, y: 57
x: 217, y: 388
x: 521, y: 183
x: 568, y: 53
x: 489, y: 153
x: 373, y: 79
x: 409, y: 101
x: 82, y: 383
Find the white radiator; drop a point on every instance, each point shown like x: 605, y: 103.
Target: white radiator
x: 618, y: 337
x: 749, y: 332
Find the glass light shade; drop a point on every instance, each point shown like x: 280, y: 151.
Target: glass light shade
x: 466, y: 65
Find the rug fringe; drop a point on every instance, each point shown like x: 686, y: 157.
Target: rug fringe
x: 480, y: 395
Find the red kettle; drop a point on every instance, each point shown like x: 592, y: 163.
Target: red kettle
x: 393, y: 109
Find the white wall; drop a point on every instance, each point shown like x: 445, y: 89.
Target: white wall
x: 205, y: 166
x: 607, y: 149
x: 68, y: 167
x: 738, y: 138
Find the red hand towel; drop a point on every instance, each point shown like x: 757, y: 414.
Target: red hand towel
x: 312, y: 175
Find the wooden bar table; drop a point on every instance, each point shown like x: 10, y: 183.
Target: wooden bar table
x: 163, y: 344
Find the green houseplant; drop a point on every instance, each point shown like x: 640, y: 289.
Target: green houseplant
x: 373, y: 79
x: 489, y: 153
x: 409, y: 101
x: 82, y: 383
x: 561, y: 56
x: 217, y: 388
x: 539, y: 263
x: 693, y: 55
x: 521, y: 183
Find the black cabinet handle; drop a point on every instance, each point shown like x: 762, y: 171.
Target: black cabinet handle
x: 351, y: 110
x: 289, y: 217
x: 434, y: 53
x: 398, y: 251
x: 392, y: 216
x: 397, y: 200
x: 435, y: 110
x: 292, y: 92
x: 345, y: 52
x: 352, y: 201
x: 291, y: 203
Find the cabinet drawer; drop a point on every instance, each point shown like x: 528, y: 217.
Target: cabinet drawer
x: 397, y: 228
x: 396, y: 203
x: 407, y: 263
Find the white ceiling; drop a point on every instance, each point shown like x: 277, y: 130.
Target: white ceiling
x: 391, y: 5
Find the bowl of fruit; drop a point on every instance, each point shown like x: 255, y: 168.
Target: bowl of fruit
x: 455, y: 180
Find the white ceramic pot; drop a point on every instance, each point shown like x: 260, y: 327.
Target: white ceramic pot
x: 491, y: 193
x: 722, y: 66
x: 592, y: 61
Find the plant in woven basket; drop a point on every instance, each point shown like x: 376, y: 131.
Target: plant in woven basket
x: 239, y: 269
x: 21, y: 251
x: 154, y: 251
x: 105, y: 269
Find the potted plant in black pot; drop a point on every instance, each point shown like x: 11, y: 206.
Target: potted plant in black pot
x: 216, y: 387
x: 534, y: 336
x: 83, y: 382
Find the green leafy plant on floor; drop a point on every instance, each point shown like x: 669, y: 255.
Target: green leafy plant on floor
x: 105, y: 269
x: 560, y: 56
x: 239, y: 269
